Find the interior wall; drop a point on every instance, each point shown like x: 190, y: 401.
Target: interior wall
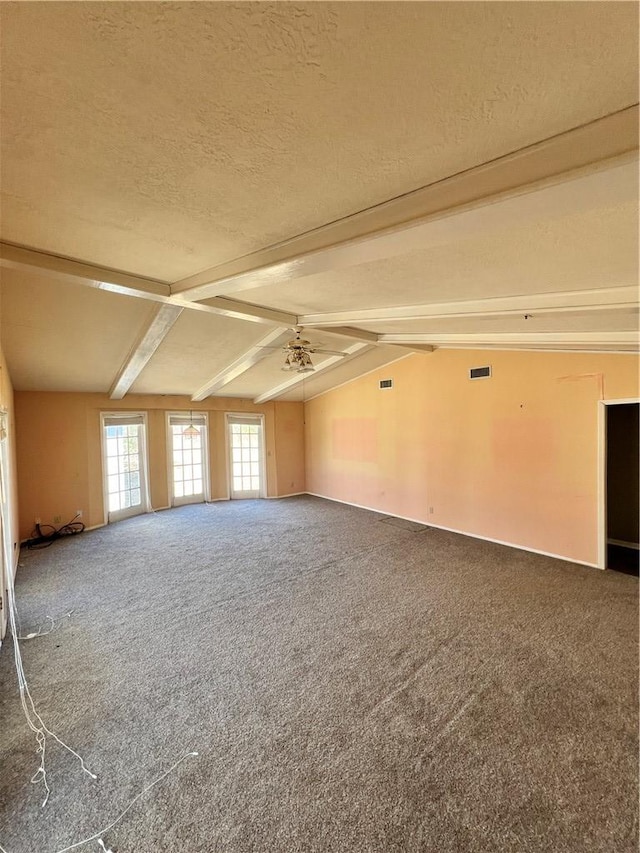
x: 59, y: 450
x: 289, y: 437
x: 7, y: 402
x: 623, y: 504
x: 512, y: 458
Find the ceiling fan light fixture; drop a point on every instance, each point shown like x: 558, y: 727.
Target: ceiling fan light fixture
x: 297, y: 354
x: 304, y: 362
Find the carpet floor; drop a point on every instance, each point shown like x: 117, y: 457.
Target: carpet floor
x: 351, y: 683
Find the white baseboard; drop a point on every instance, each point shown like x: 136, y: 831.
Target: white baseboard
x: 633, y: 545
x: 461, y: 532
x: 289, y: 495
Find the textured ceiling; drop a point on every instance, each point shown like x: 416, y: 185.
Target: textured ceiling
x: 268, y: 372
x: 197, y: 347
x: 161, y: 139
x: 592, y: 248
x: 165, y: 137
x: 371, y: 359
x: 65, y: 337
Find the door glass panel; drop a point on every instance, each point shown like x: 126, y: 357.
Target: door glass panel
x: 123, y: 465
x: 246, y: 448
x: 188, y: 460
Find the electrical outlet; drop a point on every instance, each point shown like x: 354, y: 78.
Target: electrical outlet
x: 430, y: 510
x: 78, y: 513
x: 57, y: 519
x: 38, y: 521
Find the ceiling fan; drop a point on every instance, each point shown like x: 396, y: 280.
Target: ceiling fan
x: 298, y: 353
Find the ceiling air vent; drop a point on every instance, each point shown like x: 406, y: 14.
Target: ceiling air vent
x: 386, y: 383
x: 479, y: 372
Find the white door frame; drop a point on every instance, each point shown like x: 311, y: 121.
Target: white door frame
x: 206, y: 488
x: 602, y: 474
x: 7, y: 562
x: 250, y: 416
x: 145, y: 492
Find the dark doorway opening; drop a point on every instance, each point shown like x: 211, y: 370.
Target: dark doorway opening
x: 623, y: 506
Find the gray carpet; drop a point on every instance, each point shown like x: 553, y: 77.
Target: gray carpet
x: 350, y: 685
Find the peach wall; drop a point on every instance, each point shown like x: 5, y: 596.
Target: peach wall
x: 59, y: 451
x: 290, y: 447
x: 512, y: 458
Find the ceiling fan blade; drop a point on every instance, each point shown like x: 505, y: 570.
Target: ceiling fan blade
x: 329, y: 352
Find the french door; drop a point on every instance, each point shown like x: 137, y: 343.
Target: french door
x: 125, y: 482
x: 246, y: 446
x: 188, y: 458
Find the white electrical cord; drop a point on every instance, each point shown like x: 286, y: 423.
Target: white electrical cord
x: 34, y: 720
x: 97, y: 836
x: 41, y: 633
x: 41, y: 731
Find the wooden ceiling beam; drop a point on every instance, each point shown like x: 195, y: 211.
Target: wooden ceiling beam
x: 156, y: 330
x: 297, y: 378
x: 241, y: 364
x: 609, y: 298
x: 464, y: 204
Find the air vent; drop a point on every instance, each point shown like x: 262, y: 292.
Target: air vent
x: 386, y: 383
x: 479, y: 372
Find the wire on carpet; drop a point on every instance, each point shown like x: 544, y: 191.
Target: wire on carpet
x: 44, y: 535
x: 42, y: 732
x: 34, y: 720
x: 98, y: 835
x: 40, y: 633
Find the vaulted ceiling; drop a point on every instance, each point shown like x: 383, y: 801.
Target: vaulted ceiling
x: 183, y: 182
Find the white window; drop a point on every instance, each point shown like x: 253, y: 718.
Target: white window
x: 188, y: 458
x: 247, y: 455
x: 125, y: 465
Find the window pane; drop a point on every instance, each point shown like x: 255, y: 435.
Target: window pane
x: 255, y: 484
x: 187, y: 450
x: 123, y: 468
